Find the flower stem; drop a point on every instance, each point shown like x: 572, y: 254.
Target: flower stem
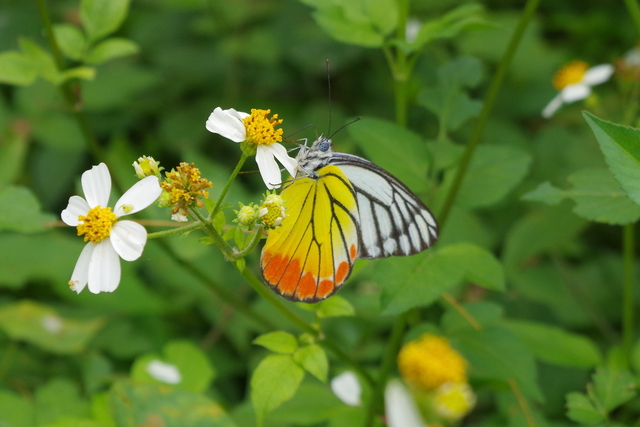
x: 173, y: 231
x: 376, y: 404
x: 492, y: 93
x: 627, y: 294
x: 225, y: 190
x: 275, y: 302
x: 252, y: 245
x: 208, y: 227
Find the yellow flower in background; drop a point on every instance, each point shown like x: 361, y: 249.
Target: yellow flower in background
x: 429, y: 362
x: 184, y: 188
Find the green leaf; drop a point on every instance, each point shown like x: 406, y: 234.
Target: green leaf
x: 84, y: 73
x: 613, y: 387
x: 13, y: 151
x: 59, y: 399
x: 58, y: 131
x: 151, y: 404
x: 348, y: 29
x: 193, y: 365
x: 274, y: 381
x: 15, y: 411
x: 447, y: 99
x: 110, y: 49
x: 102, y: 17
x: 71, y: 40
x: 16, y: 68
x: 494, y: 171
x: 334, y: 307
x: 21, y: 211
x: 581, y: 410
x: 314, y: 360
x: 555, y: 345
x: 449, y: 25
x: 41, y: 325
x: 621, y: 148
x: 597, y: 195
x: 426, y: 276
x: 278, y: 341
x: 402, y: 152
x: 41, y: 60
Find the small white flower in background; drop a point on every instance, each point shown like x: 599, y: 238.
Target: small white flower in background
x: 52, y: 323
x: 347, y: 387
x: 107, y: 236
x: 257, y: 130
x: 574, y: 83
x: 412, y: 29
x: 164, y: 372
x: 400, y: 408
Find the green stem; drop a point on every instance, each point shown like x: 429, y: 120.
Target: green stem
x: 376, y: 404
x: 229, y: 297
x: 174, y: 231
x: 225, y: 190
x: 251, y: 246
x: 276, y: 303
x: 208, y: 227
x: 73, y: 104
x: 492, y: 93
x: 628, y: 314
x: 634, y: 11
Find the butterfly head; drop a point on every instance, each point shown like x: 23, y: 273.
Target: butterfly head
x: 313, y: 158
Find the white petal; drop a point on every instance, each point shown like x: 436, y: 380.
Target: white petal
x: 269, y: 169
x: 289, y: 163
x: 575, y: 92
x: 96, y: 185
x: 552, y: 106
x: 77, y: 206
x: 139, y: 196
x: 347, y: 387
x: 164, y: 372
x: 598, y: 74
x: 104, y: 268
x: 80, y: 274
x: 400, y: 408
x: 128, y: 239
x: 228, y: 123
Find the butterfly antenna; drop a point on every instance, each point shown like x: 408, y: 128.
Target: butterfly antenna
x: 344, y: 126
x: 329, y: 87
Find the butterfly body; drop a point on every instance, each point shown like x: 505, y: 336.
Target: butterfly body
x: 340, y: 207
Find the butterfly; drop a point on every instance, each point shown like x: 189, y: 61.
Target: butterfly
x: 340, y: 207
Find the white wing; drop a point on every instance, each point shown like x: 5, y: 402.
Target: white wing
x: 393, y: 221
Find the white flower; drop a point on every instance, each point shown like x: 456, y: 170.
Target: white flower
x: 347, y: 387
x: 574, y: 82
x: 400, y: 408
x: 98, y: 264
x: 164, y: 372
x: 259, y: 130
x: 52, y: 323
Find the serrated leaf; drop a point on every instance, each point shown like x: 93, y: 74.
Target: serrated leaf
x: 334, y: 307
x: 314, y: 360
x: 41, y: 325
x: 545, y: 193
x: 581, y: 410
x: 343, y: 28
x: 71, y: 40
x: 402, y: 152
x: 16, y: 68
x: 621, y: 148
x: 275, y: 380
x: 494, y: 171
x: 555, y: 345
x: 449, y: 25
x: 25, y: 214
x: 41, y: 60
x: 110, y: 49
x: 419, y: 280
x: 102, y: 17
x: 278, y: 341
x: 613, y: 387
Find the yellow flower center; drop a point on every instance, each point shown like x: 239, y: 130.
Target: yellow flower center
x: 453, y: 401
x: 570, y: 74
x: 183, y: 187
x: 271, y: 214
x: 429, y: 362
x: 261, y: 129
x: 97, y: 224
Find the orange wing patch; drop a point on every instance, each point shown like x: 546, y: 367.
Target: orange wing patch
x: 312, y: 253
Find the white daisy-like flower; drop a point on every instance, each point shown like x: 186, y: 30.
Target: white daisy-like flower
x: 165, y: 372
x: 400, y: 408
x: 108, y: 237
x: 347, y: 387
x: 259, y: 130
x: 574, y: 82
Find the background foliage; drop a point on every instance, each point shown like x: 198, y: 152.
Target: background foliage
x: 532, y: 248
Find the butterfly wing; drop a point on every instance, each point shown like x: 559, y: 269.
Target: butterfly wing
x: 312, y: 253
x: 393, y: 220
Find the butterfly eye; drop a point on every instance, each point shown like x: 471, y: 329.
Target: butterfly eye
x: 324, y: 145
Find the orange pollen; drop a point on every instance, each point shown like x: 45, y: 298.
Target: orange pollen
x: 261, y: 129
x: 571, y: 73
